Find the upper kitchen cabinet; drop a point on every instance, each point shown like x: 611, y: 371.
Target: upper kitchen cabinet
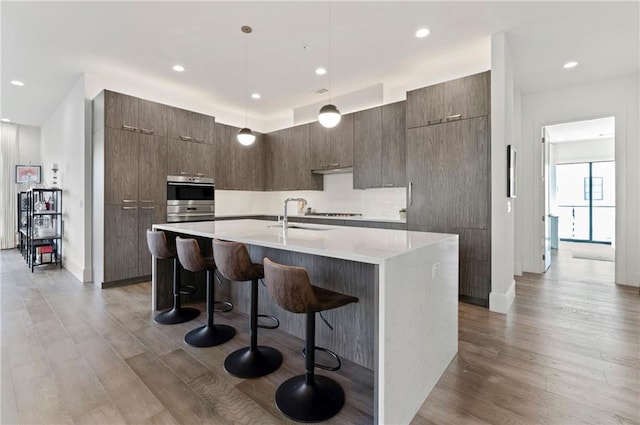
x: 190, y: 159
x: 238, y: 167
x: 332, y: 147
x: 129, y: 113
x: 191, y: 126
x: 463, y: 98
x: 282, y: 160
x: 379, y: 147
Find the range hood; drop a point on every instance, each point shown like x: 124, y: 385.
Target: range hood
x: 333, y: 170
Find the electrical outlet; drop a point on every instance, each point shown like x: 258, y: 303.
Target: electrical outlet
x: 435, y: 269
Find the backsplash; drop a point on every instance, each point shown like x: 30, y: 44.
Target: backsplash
x: 338, y: 196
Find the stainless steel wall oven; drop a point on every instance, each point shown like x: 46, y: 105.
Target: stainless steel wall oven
x: 190, y: 199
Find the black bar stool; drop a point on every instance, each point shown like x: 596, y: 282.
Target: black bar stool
x: 308, y: 397
x: 159, y: 248
x: 191, y: 259
x: 235, y: 264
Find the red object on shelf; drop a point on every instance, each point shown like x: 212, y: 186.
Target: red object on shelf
x: 46, y: 249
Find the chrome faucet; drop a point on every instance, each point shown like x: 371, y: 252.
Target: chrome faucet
x: 285, y: 221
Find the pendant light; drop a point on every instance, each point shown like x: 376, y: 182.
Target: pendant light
x: 329, y: 116
x: 245, y: 136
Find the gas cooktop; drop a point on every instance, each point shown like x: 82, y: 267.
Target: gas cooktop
x: 334, y: 214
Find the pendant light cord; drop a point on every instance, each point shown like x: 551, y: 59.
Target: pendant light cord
x: 330, y: 68
x: 246, y: 76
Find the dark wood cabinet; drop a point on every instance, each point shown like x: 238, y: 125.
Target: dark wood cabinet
x: 247, y: 163
x: 190, y: 159
x: 282, y: 160
x: 341, y: 142
x: 224, y: 157
x: 379, y: 147
x: 463, y: 98
x: 120, y: 242
x: 332, y: 147
x: 191, y: 126
x: 129, y: 113
x: 152, y: 170
x: 120, y: 166
x: 448, y: 166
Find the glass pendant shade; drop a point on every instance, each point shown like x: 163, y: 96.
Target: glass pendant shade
x: 329, y: 116
x: 246, y: 137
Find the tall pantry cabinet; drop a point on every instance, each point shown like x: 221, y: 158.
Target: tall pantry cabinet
x: 129, y: 183
x: 449, y: 173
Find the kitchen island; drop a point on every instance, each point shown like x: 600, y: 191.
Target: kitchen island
x: 405, y: 326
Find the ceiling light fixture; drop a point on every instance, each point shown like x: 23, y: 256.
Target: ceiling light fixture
x: 570, y: 64
x: 329, y: 116
x: 245, y: 136
x: 321, y: 71
x: 422, y: 32
x: 17, y: 83
x: 178, y: 68
x: 5, y: 120
x: 256, y: 95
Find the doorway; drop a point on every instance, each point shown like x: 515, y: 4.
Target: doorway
x: 580, y: 192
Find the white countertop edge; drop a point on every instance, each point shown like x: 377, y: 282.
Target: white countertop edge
x: 187, y: 228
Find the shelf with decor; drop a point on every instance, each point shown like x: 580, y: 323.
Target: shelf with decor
x: 41, y: 227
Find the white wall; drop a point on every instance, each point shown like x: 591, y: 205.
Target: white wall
x: 502, y: 208
x: 338, y: 196
x: 618, y: 98
x: 63, y: 137
x: 584, y: 151
x: 29, y: 145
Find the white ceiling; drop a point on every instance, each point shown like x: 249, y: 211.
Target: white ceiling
x: 600, y: 128
x: 48, y: 45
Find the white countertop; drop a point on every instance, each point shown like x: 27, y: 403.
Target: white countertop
x: 365, y: 245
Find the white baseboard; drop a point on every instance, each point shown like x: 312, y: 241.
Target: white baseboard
x: 82, y: 274
x: 500, y: 303
x: 517, y: 269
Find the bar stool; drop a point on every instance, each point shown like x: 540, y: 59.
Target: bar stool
x: 159, y: 248
x: 308, y: 397
x: 191, y: 259
x: 235, y: 264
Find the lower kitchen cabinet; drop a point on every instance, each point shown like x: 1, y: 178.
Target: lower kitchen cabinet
x: 120, y: 242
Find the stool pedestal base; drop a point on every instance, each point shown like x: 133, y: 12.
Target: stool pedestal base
x: 177, y: 315
x: 209, y: 335
x: 314, y: 402
x: 248, y: 363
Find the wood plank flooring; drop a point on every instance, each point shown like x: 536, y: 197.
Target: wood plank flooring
x: 567, y: 353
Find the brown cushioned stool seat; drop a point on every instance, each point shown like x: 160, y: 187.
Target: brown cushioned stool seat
x: 308, y: 397
x: 160, y: 248
x: 192, y: 260
x: 234, y: 263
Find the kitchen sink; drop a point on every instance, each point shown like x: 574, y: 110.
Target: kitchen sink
x: 296, y: 226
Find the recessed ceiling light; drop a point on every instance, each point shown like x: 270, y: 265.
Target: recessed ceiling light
x: 321, y: 71
x: 17, y: 83
x: 178, y: 68
x: 256, y: 95
x: 5, y: 120
x: 570, y: 64
x: 422, y: 32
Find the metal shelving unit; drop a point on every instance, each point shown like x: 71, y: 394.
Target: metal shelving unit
x: 41, y: 226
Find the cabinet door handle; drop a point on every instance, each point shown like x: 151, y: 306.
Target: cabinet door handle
x: 145, y: 131
x: 129, y: 208
x: 128, y: 201
x: 388, y: 184
x: 147, y: 208
x: 410, y: 193
x: 453, y: 117
x: 199, y: 174
x: 187, y: 138
x: 432, y: 122
x: 129, y: 128
x: 184, y: 173
x: 147, y: 201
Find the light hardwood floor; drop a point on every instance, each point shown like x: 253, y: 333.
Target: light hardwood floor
x: 567, y: 353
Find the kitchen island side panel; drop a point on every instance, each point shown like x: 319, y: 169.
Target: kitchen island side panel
x: 418, y: 327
